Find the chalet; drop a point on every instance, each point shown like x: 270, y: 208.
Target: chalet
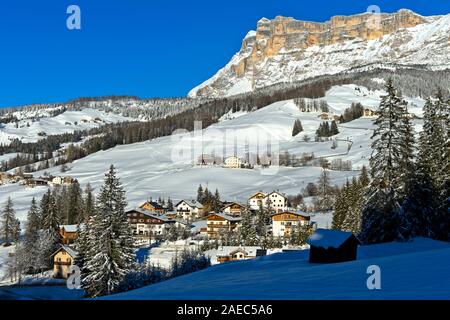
x: 368, y: 113
x: 147, y: 224
x: 189, y: 210
x: 232, y: 162
x: 233, y: 208
x: 59, y: 181
x: 256, y: 200
x: 284, y: 222
x: 220, y: 223
x: 324, y: 116
x: 152, y: 206
x: 69, y: 232
x: 276, y: 201
x: 336, y: 117
x: 230, y: 253
x: 63, y: 259
x: 331, y: 246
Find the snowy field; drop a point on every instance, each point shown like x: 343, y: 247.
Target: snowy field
x: 415, y: 270
x: 66, y: 122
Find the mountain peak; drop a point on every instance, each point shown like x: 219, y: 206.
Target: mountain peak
x: 285, y: 49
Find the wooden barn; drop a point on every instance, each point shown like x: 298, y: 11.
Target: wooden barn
x: 331, y: 246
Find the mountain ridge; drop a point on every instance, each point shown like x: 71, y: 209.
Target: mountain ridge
x: 285, y: 50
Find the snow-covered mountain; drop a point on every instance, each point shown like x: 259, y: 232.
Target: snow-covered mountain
x: 287, y: 50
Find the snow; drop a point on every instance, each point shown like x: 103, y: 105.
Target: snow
x: 425, y: 44
x: 155, y: 169
x: 62, y: 123
x: 414, y: 270
x: 328, y: 238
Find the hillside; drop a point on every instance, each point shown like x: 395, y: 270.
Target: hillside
x: 154, y: 168
x: 415, y: 270
x: 284, y: 50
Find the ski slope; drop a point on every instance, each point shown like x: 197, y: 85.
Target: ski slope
x: 414, y: 270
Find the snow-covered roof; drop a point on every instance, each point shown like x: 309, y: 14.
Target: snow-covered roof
x: 250, y: 251
x: 151, y: 215
x: 192, y: 203
x: 327, y: 238
x: 68, y: 249
x: 227, y: 217
x: 71, y: 227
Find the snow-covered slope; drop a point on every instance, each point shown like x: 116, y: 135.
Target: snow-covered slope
x: 155, y: 168
x: 415, y: 270
x: 28, y: 130
x: 286, y: 50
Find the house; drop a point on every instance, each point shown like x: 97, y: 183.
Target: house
x: 324, y: 116
x: 189, y: 210
x: 284, y: 222
x: 233, y: 208
x: 146, y: 224
x: 63, y: 259
x: 256, y: 200
x: 232, y: 162
x: 59, y: 181
x: 276, y: 201
x: 368, y: 113
x: 220, y: 223
x: 69, y: 232
x: 331, y: 246
x: 152, y: 206
x: 231, y: 253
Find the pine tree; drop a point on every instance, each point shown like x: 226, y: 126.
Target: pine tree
x: 31, y: 239
x: 334, y: 128
x: 297, y: 128
x: 406, y: 166
x: 75, y: 204
x: 382, y: 217
x: 89, y: 203
x: 200, y: 197
x: 364, y: 177
x: 324, y: 199
x: 8, y: 223
x: 170, y: 204
x: 110, y: 255
x: 340, y: 208
x: 247, y: 230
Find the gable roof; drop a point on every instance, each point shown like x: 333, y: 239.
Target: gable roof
x: 153, y: 204
x: 149, y: 214
x: 238, y: 250
x: 191, y: 203
x: 327, y: 238
x: 68, y: 249
x: 226, y: 216
x: 277, y: 192
x: 307, y: 217
x: 71, y: 227
x: 229, y: 204
x: 256, y: 193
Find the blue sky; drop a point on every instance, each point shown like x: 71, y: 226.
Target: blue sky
x: 148, y: 48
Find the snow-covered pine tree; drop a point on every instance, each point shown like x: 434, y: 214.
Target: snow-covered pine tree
x: 110, y: 255
x: 31, y: 239
x: 355, y: 199
x: 383, y: 219
x: 340, y: 209
x: 406, y: 165
x: 8, y: 223
x: 324, y: 199
x: 247, y: 230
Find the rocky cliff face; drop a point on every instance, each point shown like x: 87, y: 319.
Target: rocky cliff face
x: 285, y: 49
